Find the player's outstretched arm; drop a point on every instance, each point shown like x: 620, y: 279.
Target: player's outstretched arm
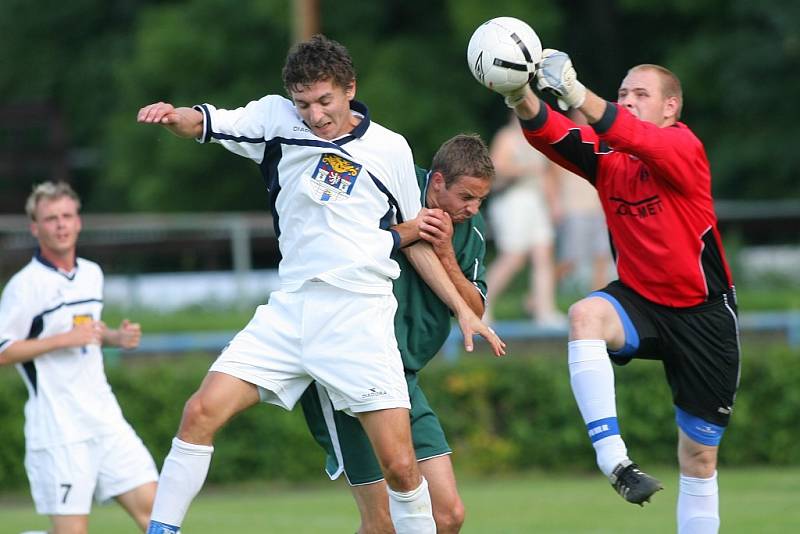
x: 183, y: 122
x: 556, y: 75
x: 90, y: 333
x: 427, y: 264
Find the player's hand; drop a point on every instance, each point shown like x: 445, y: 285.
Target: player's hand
x: 419, y: 220
x: 557, y: 76
x: 470, y: 324
x: 87, y: 333
x: 129, y: 334
x: 409, y: 230
x: 183, y: 122
x: 159, y: 113
x: 436, y: 227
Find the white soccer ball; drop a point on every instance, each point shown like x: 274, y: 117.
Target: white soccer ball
x: 503, y: 53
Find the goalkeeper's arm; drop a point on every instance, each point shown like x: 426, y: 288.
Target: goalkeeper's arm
x: 556, y: 75
x: 592, y: 107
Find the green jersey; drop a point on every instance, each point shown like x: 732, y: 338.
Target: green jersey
x: 422, y: 321
x: 422, y: 324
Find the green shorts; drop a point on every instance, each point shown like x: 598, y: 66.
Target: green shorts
x: 347, y: 446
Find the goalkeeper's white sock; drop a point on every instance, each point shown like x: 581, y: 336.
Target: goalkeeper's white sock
x: 592, y: 380
x: 411, y: 511
x: 182, y: 475
x: 698, y: 505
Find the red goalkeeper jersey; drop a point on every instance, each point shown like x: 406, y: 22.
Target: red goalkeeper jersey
x: 655, y: 187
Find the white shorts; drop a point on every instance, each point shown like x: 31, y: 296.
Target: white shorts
x: 343, y: 340
x: 520, y: 219
x: 64, y: 478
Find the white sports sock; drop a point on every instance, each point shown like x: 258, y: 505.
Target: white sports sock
x: 592, y: 380
x: 182, y: 475
x: 411, y: 511
x: 698, y: 505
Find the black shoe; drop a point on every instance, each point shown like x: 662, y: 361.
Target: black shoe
x: 633, y: 484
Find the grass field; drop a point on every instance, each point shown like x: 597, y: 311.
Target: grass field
x: 762, y: 500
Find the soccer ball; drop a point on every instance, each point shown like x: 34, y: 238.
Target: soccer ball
x: 502, y: 54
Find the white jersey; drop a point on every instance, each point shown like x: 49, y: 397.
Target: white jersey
x: 69, y: 399
x: 332, y: 201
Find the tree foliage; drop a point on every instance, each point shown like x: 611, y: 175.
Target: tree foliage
x: 740, y: 70
x: 98, y: 61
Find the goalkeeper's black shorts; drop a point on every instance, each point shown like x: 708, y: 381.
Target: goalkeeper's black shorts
x: 699, y: 347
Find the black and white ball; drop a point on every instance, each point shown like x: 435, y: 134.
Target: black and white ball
x: 503, y: 53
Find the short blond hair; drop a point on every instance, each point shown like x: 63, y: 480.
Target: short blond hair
x: 49, y: 191
x: 670, y: 84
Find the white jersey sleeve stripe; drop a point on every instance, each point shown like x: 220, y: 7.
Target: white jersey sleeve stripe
x: 205, y: 137
x: 308, y: 142
x: 73, y: 303
x: 392, y: 203
x: 237, y: 138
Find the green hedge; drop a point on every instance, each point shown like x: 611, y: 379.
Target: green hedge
x: 519, y: 413
x: 500, y: 416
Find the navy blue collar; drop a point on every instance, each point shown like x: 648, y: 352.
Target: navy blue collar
x: 362, y: 126
x: 360, y: 107
x: 41, y: 259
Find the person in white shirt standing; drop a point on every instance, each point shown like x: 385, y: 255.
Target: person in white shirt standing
x: 337, y: 183
x: 77, y: 442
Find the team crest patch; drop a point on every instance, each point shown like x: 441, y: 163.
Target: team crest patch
x: 334, y: 177
x: 81, y: 319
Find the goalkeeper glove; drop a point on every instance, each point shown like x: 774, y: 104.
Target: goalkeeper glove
x: 557, y: 76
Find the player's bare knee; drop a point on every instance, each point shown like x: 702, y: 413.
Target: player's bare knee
x: 585, y: 320
x: 450, y: 519
x: 193, y: 412
x: 198, y: 424
x: 699, y: 463
x: 401, y: 473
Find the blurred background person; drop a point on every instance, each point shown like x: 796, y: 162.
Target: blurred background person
x: 584, y: 251
x: 78, y: 445
x: 521, y: 212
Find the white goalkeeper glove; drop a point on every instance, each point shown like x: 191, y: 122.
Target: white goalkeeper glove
x: 557, y: 76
